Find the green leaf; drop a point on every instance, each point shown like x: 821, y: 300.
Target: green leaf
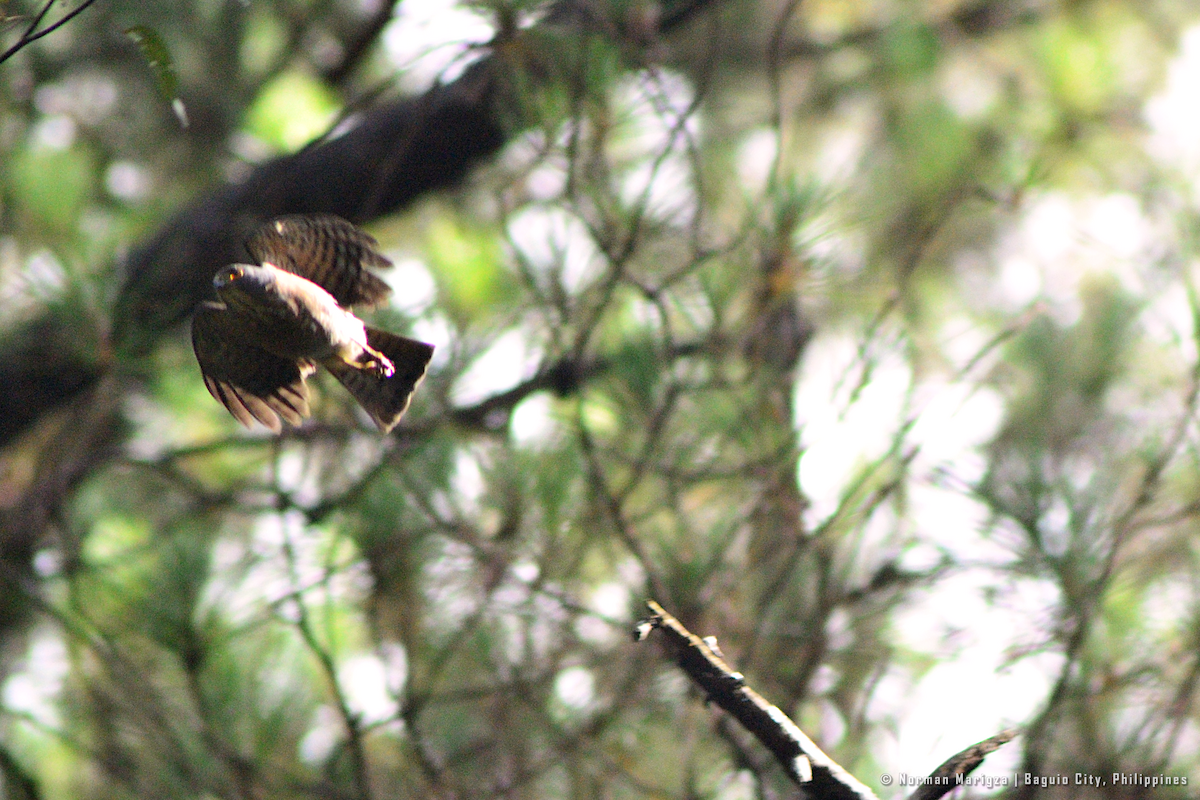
x: 154, y: 50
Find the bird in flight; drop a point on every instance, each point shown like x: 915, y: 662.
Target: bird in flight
x: 276, y: 321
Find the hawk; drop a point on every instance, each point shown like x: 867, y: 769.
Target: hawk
x: 276, y: 321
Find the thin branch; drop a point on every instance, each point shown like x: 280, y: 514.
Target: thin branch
x: 949, y: 775
x: 360, y: 43
x: 613, y: 505
x: 1084, y: 619
x: 353, y: 725
x: 775, y: 79
x: 37, y: 20
x: 562, y: 377
x: 32, y: 34
x: 673, y: 15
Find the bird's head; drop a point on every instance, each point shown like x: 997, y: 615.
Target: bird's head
x: 243, y: 285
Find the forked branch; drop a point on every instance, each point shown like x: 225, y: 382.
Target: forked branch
x: 32, y: 34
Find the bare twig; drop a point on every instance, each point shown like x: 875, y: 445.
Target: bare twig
x: 359, y: 44
x: 355, y: 746
x: 32, y: 34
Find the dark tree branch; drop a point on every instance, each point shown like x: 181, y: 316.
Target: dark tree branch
x: 18, y: 783
x: 32, y: 34
x: 563, y: 378
x: 975, y: 20
x: 73, y: 446
x: 805, y: 763
x: 949, y: 775
x: 360, y: 43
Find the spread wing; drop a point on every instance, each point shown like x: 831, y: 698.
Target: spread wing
x: 328, y: 251
x: 252, y: 383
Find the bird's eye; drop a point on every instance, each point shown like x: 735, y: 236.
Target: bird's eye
x: 227, y: 276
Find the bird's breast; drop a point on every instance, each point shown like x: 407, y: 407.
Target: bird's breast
x: 298, y: 319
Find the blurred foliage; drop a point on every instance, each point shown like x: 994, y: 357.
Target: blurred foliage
x: 861, y: 335
x: 290, y: 111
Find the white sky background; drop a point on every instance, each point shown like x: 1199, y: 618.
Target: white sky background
x: 1057, y: 242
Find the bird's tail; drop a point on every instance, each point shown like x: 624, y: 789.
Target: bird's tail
x: 385, y: 399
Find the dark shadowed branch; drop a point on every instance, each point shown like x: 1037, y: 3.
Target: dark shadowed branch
x: 805, y: 763
x: 32, y: 34
x: 950, y: 774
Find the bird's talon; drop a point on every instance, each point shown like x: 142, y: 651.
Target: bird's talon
x: 378, y: 365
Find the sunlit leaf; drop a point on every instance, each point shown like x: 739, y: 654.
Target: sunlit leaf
x: 1079, y: 67
x: 468, y: 268
x: 291, y: 111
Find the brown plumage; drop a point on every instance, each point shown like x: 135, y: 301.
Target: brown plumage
x: 280, y: 319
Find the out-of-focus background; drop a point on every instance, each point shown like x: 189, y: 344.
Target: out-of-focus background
x: 860, y: 335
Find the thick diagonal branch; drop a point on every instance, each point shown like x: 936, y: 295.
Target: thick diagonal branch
x: 805, y: 763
